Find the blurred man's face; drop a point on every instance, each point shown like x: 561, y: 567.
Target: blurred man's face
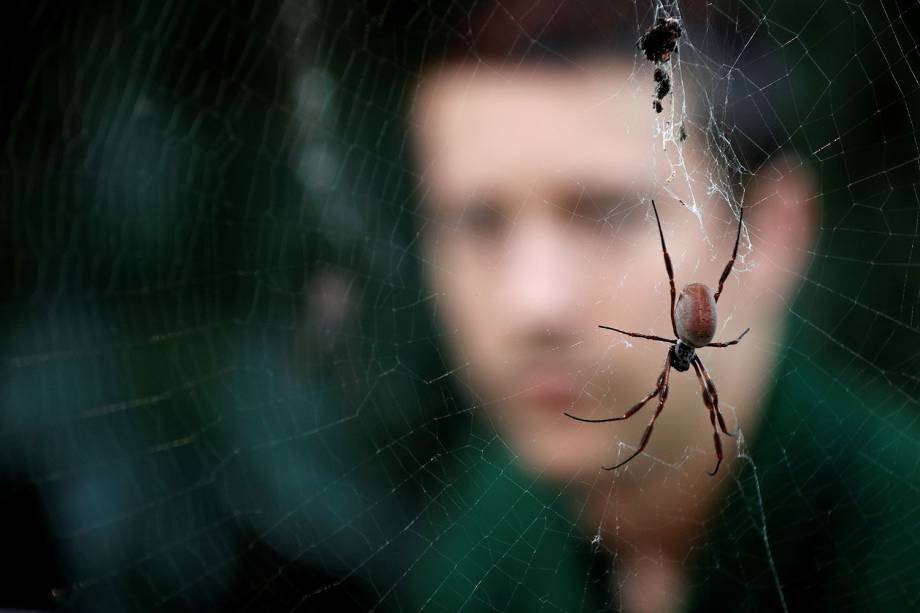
x: 537, y: 228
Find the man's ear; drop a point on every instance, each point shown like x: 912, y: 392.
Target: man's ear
x: 781, y: 213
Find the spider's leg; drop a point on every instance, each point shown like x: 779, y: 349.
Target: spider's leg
x: 728, y: 267
x: 635, y: 408
x: 709, y: 388
x: 718, y: 444
x: 650, y: 337
x: 729, y: 343
x: 662, y: 398
x: 632, y: 411
x: 669, y: 268
x: 707, y: 399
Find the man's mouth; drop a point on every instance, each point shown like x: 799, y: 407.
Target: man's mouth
x: 549, y: 388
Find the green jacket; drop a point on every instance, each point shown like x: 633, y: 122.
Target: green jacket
x: 822, y: 515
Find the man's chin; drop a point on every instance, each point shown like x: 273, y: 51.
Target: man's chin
x: 559, y: 452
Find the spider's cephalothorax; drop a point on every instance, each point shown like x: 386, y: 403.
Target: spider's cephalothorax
x: 682, y: 356
x: 693, y: 320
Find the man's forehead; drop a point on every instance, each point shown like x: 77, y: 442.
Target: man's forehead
x: 588, y: 123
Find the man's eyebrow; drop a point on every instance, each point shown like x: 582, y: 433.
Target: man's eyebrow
x: 458, y: 204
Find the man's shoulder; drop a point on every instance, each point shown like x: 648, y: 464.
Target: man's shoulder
x: 832, y: 486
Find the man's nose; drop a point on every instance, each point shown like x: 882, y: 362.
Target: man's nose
x: 540, y: 277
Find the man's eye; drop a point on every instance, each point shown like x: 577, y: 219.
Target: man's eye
x: 599, y: 213
x: 483, y: 220
x: 612, y: 215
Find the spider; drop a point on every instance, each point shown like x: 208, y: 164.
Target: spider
x: 693, y: 320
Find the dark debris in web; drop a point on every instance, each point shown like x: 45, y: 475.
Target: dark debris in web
x: 658, y: 43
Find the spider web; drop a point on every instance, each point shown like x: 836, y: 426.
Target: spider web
x: 225, y: 386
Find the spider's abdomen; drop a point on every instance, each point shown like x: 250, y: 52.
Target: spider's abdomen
x: 695, y: 315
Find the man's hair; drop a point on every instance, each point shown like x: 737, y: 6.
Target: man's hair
x: 727, y: 56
